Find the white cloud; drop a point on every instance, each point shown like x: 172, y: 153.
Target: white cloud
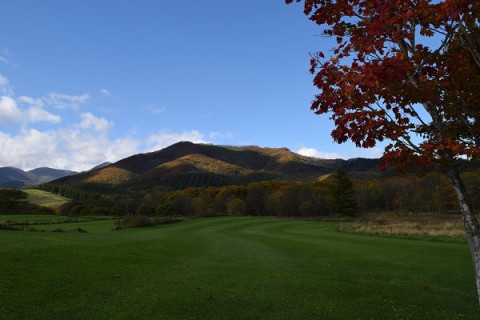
x: 3, y: 60
x: 94, y: 122
x: 5, y: 88
x: 73, y: 148
x: 166, y: 138
x: 82, y: 149
x: 314, y: 153
x: 76, y: 147
x: 65, y: 101
x: 30, y: 148
x: 11, y: 113
x: 35, y: 114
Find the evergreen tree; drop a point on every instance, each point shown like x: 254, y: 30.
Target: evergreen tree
x: 12, y: 200
x: 343, y: 199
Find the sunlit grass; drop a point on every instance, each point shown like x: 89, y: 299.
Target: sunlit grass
x: 44, y: 198
x: 426, y: 225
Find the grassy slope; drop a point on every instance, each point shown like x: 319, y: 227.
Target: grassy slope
x: 231, y: 268
x: 44, y: 198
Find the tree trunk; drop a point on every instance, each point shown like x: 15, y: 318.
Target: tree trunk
x: 470, y: 222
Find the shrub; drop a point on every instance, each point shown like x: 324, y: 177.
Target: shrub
x: 28, y: 228
x: 145, y: 210
x: 135, y: 221
x: 44, y: 210
x: 75, y: 210
x: 131, y: 221
x: 101, y: 211
x: 81, y: 230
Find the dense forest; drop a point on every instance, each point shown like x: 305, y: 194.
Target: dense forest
x: 337, y: 194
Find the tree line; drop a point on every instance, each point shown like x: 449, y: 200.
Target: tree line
x: 337, y: 194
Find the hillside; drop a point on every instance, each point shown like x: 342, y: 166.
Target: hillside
x: 187, y: 164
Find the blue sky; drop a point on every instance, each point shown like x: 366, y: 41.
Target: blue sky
x: 82, y: 82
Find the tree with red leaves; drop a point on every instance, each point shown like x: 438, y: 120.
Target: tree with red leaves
x: 406, y: 72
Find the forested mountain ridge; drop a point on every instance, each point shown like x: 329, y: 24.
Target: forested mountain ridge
x: 187, y: 164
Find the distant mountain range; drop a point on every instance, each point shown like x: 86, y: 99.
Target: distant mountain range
x: 11, y: 177
x: 186, y: 164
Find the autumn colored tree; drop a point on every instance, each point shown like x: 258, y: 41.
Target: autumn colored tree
x: 405, y: 72
x: 236, y: 207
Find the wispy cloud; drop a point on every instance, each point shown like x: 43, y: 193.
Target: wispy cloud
x: 65, y: 101
x: 5, y: 88
x: 5, y: 57
x: 105, y: 93
x: 31, y: 101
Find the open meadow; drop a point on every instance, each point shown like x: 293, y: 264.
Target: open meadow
x: 229, y: 268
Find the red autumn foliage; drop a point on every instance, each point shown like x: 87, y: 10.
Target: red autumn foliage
x: 403, y: 71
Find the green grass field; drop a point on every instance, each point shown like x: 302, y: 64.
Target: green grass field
x: 231, y: 268
x: 44, y: 198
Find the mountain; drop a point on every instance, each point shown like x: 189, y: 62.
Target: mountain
x: 45, y: 174
x: 11, y: 177
x: 187, y: 164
